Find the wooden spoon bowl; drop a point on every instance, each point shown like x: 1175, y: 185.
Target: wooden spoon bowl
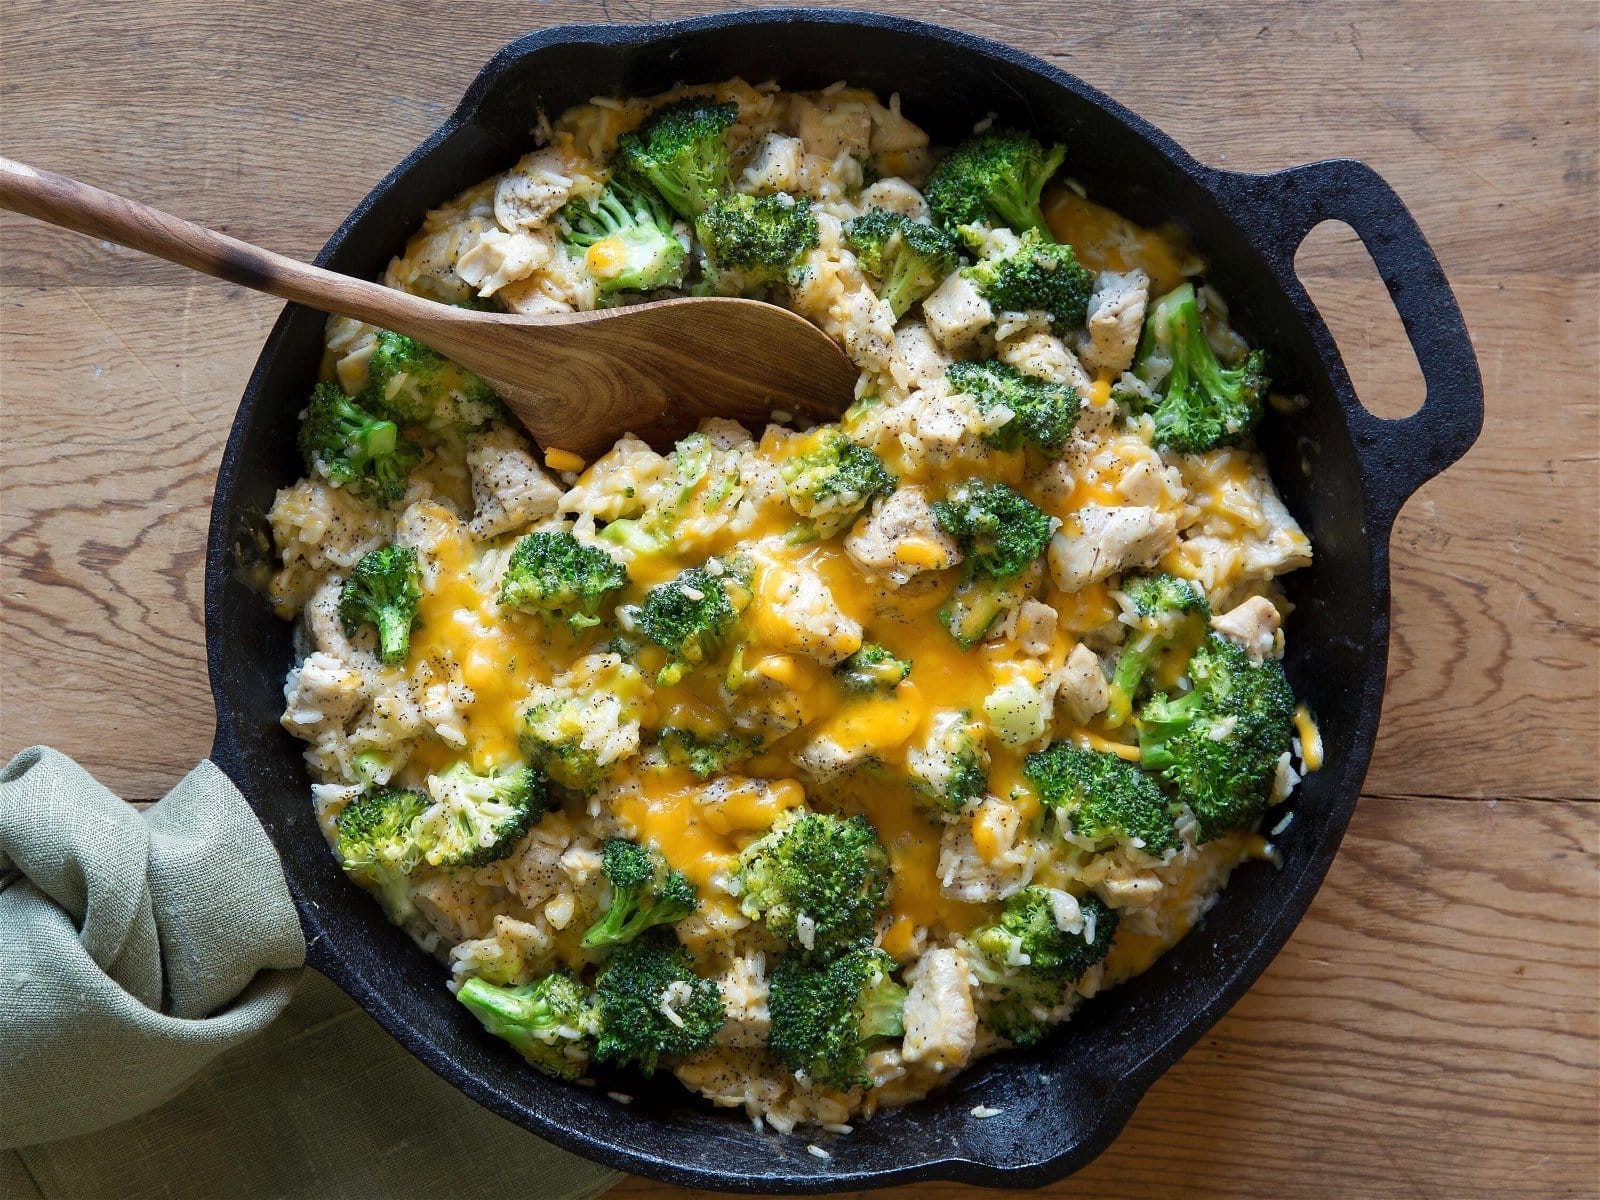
x: 577, y: 381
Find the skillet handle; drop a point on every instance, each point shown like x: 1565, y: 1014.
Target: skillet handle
x: 1397, y: 456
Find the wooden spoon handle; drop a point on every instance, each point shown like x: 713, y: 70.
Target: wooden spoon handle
x: 77, y: 206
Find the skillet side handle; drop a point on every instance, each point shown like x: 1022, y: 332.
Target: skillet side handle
x: 1397, y: 456
x: 225, y: 754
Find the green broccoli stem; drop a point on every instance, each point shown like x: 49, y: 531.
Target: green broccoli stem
x: 1134, y: 661
x: 394, y: 633
x: 1155, y: 729
x: 883, y: 1011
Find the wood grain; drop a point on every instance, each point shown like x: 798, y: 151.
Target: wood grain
x: 1431, y: 1028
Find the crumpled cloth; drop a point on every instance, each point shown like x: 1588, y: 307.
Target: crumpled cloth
x: 140, y: 956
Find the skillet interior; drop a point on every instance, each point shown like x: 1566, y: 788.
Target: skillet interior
x: 1064, y: 1102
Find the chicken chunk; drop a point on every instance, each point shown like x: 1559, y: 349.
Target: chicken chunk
x: 796, y: 611
x: 831, y: 129
x: 918, y: 361
x: 1116, y: 318
x: 498, y: 258
x: 531, y: 191
x: 321, y: 693
x: 775, y: 166
x: 509, y: 488
x: 897, y: 196
x: 1097, y: 542
x: 1280, y: 545
x: 983, y: 876
x: 1081, y: 685
x: 454, y: 906
x: 1042, y: 354
x: 1254, y: 625
x: 941, y: 1021
x: 899, y: 539
x: 956, y: 314
x: 823, y: 758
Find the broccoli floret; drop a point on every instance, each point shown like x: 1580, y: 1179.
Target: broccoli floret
x: 379, y: 842
x: 1202, y: 404
x: 625, y: 239
x: 551, y: 1022
x: 682, y: 151
x: 1218, y: 745
x: 1022, y: 1006
x: 827, y: 1016
x: 909, y: 258
x: 1043, y: 413
x: 1165, y: 608
x: 760, y: 237
x: 816, y: 880
x: 480, y: 818
x: 688, y: 616
x: 714, y: 755
x: 553, y: 736
x: 1038, y: 276
x: 556, y: 575
x: 351, y: 447
x: 1002, y: 534
x: 873, y: 669
x: 643, y: 982
x: 1000, y: 530
x: 951, y: 767
x: 1029, y: 934
x: 644, y: 893
x: 1102, y: 798
x: 995, y: 178
x: 384, y: 589
x: 829, y: 479
x: 412, y: 384
x: 692, y: 460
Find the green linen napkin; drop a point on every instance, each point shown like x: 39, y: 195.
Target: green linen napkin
x: 140, y: 955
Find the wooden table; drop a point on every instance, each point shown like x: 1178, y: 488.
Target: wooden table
x: 1431, y: 1028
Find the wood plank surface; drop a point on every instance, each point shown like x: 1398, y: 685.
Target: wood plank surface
x: 1431, y: 1028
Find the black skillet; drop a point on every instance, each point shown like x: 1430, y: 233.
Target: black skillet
x: 1342, y: 471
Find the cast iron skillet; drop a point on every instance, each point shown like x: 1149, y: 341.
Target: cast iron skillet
x: 1342, y: 471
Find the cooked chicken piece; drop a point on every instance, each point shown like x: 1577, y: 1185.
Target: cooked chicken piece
x: 899, y: 538
x: 1083, y: 690
x: 1036, y: 627
x: 895, y: 195
x: 1046, y: 356
x: 941, y: 1023
x: 918, y: 361
x: 794, y: 610
x: 1254, y: 625
x: 1116, y: 317
x: 454, y: 906
x: 498, y: 258
x: 822, y: 758
x: 956, y: 314
x: 1138, y: 891
x: 832, y: 129
x: 981, y: 877
x: 326, y: 629
x: 775, y: 166
x: 321, y: 693
x: 531, y: 191
x: 1096, y: 542
x: 509, y: 487
x: 1280, y: 546
x: 767, y: 704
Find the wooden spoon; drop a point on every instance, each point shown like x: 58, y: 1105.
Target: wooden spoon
x: 578, y: 381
